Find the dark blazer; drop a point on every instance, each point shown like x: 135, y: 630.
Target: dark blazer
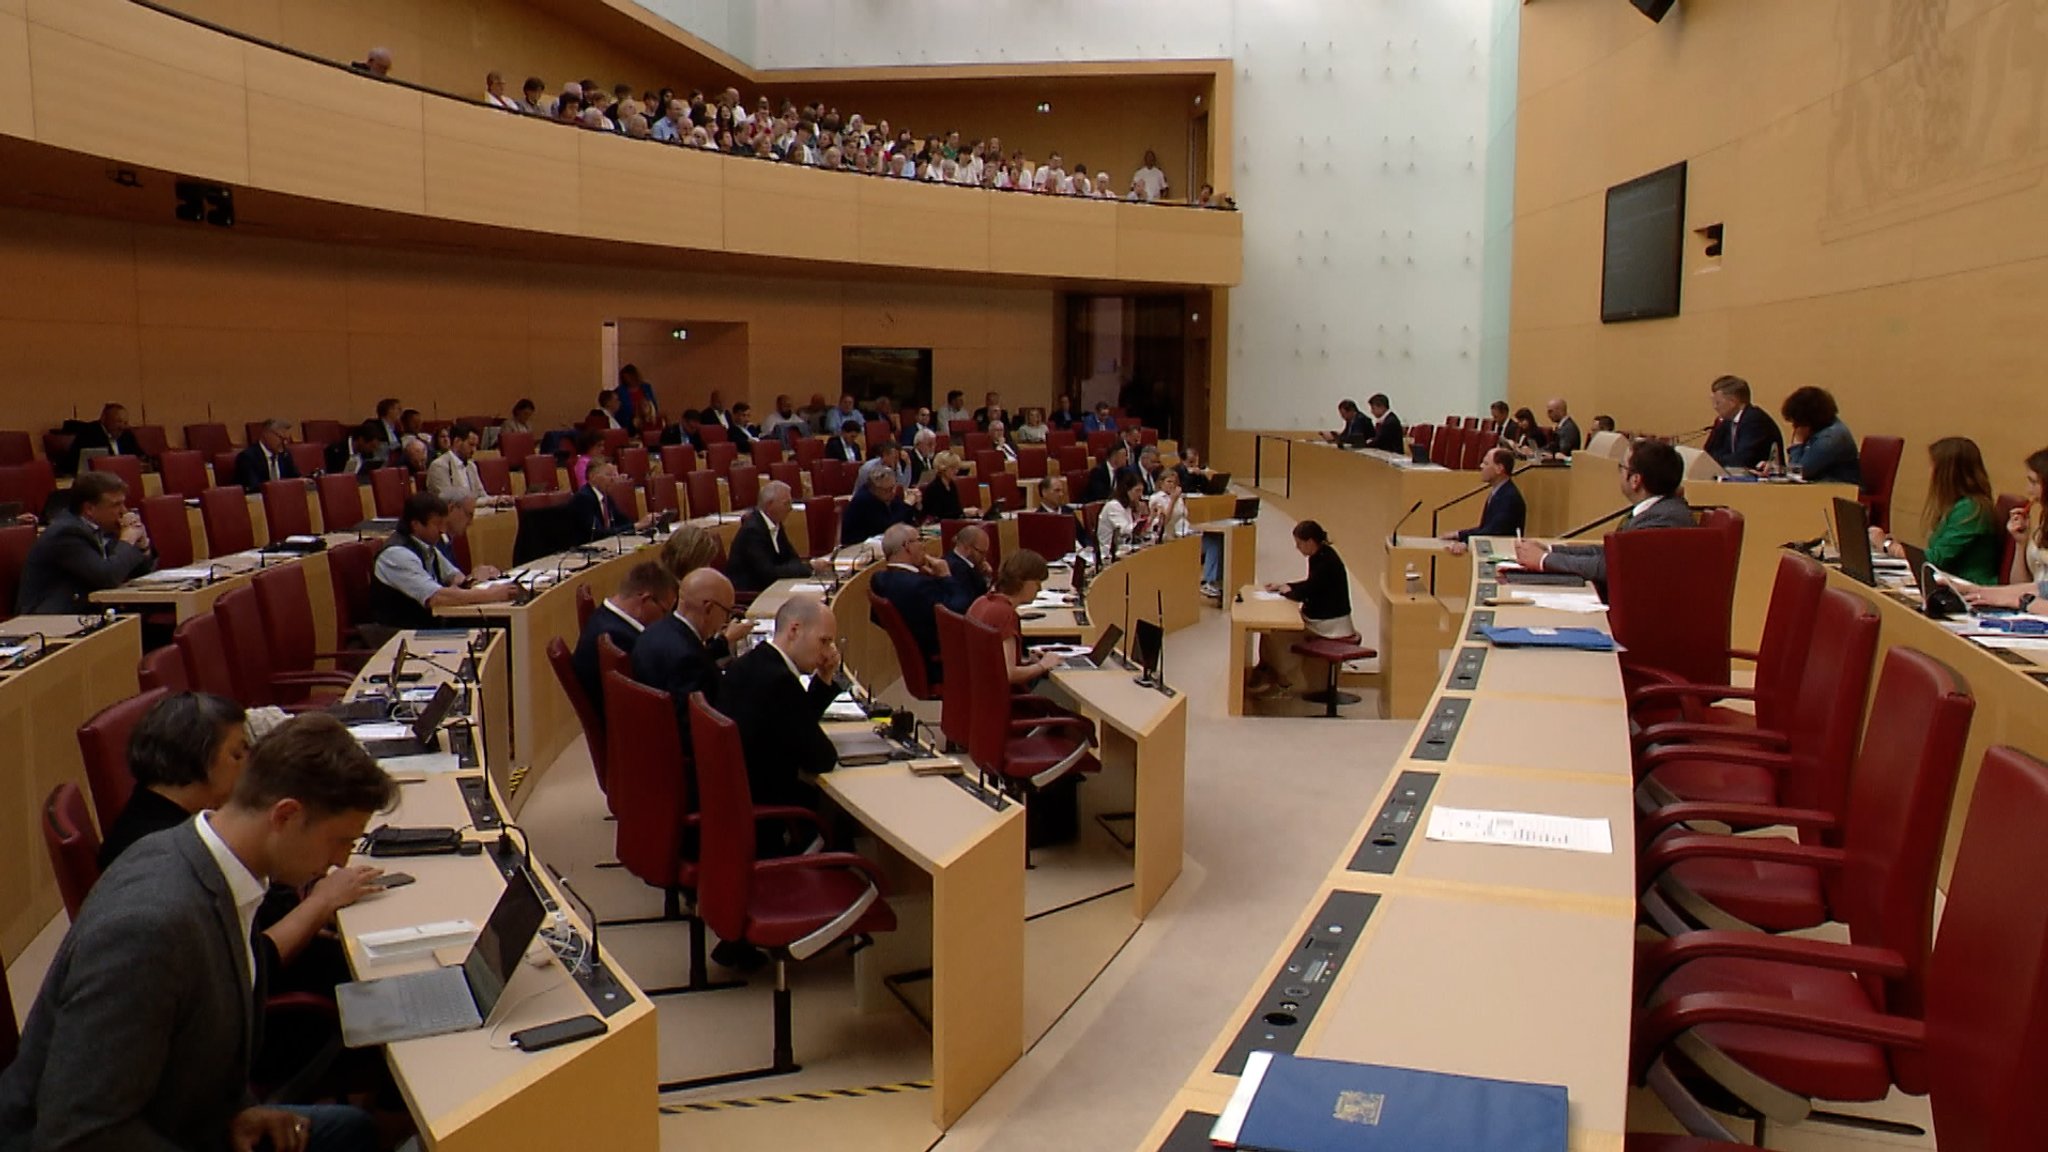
x: 919, y: 464
x: 72, y: 559
x: 1389, y: 436
x: 141, y: 1038
x: 252, y: 473
x: 1504, y: 515
x: 757, y: 561
x: 968, y: 583
x: 1589, y: 561
x: 671, y: 658
x: 1063, y: 418
x: 146, y: 812
x: 337, y: 455
x: 1566, y: 438
x: 917, y: 595
x: 603, y: 622
x: 1326, y: 594
x: 866, y: 516
x: 1101, y: 484
x: 778, y: 722
x: 674, y: 434
x: 839, y: 449
x: 1356, y: 433
x: 1748, y: 442
x: 590, y: 507
x: 94, y: 435
x: 942, y: 500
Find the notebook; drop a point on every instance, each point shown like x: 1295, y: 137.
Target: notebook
x: 1296, y: 1104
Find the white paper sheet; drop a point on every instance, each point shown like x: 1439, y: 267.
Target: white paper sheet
x: 1262, y: 594
x: 2015, y: 643
x: 1584, y: 602
x: 368, y: 732
x: 1520, y: 830
x: 171, y: 575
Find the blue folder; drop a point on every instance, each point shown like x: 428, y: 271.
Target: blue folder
x: 1582, y: 639
x: 1304, y: 1105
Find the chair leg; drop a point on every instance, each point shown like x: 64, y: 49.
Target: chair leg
x: 785, y: 1052
x: 700, y: 975
x: 1329, y: 696
x: 671, y: 911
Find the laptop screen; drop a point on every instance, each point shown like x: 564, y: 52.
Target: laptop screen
x: 436, y: 711
x: 398, y: 664
x: 1852, y: 534
x: 1247, y: 508
x: 506, y: 936
x: 1105, y: 645
x: 1146, y: 640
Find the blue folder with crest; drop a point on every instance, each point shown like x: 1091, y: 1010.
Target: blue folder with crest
x: 1580, y: 639
x: 1296, y: 1104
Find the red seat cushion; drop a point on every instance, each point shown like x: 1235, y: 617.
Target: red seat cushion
x: 1774, y: 897
x: 1335, y: 651
x: 1715, y: 780
x: 1030, y: 755
x: 1808, y: 1065
x: 791, y: 903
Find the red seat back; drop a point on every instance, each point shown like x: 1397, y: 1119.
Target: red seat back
x: 516, y: 446
x: 1077, y: 483
x: 1421, y: 435
x: 163, y: 668
x: 959, y: 428
x: 701, y: 487
x: 307, y: 457
x: 1448, y: 447
x: 322, y: 432
x: 1788, y: 630
x: 74, y: 846
x: 808, y: 450
x: 1005, y: 493
x: 874, y: 432
x: 495, y: 472
x: 635, y: 464
x: 725, y: 805
x: 15, y: 541
x: 286, y: 606
x: 205, y: 653
x: 248, y: 649
x: 615, y: 439
x: 211, y: 439
x: 1032, y: 461
x: 1670, y: 594
x: 252, y: 431
x: 1050, y: 534
x: 1877, y: 462
x: 1099, y: 444
x: 743, y: 486
x: 909, y: 657
x: 16, y: 448
x: 285, y: 511
x: 968, y: 489
x: 987, y: 463
x: 184, y: 473
x: 341, y: 501
x: 678, y: 460
x: 170, y: 530
x: 988, y: 682
x: 224, y: 513
x: 622, y: 493
x: 564, y: 664
x: 348, y: 573
x: 649, y: 783
x: 1475, y: 449
x: 541, y: 473
x: 713, y: 433
x: 586, y: 607
x: 129, y: 469
x: 719, y: 455
x: 389, y: 487
x: 791, y: 473
x: 224, y: 467
x: 975, y: 443
x: 821, y: 525
x: 1825, y: 711
x: 103, y: 745
x: 765, y: 453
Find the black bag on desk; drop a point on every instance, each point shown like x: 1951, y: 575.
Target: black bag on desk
x: 388, y: 840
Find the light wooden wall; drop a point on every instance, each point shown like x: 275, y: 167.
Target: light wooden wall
x: 186, y: 326
x: 1878, y: 165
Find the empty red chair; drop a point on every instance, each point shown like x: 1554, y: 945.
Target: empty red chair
x: 791, y: 473
x: 170, y: 530
x: 1032, y: 461
x: 1476, y: 448
x: 743, y: 486
x: 821, y: 525
x: 252, y: 431
x: 496, y: 474
x: 678, y: 460
x: 348, y: 572
x: 388, y: 488
x: 16, y: 448
x: 968, y: 490
x: 15, y: 541
x: 205, y: 654
x: 635, y: 464
x: 211, y: 439
x: 151, y: 440
x: 541, y: 473
x: 650, y: 439
x: 874, y: 432
x: 1670, y: 597
x: 987, y: 463
x: 321, y: 432
x: 516, y: 446
x: 73, y: 845
x: 719, y: 456
x: 663, y: 495
x: 1058, y: 438
x: 306, y: 457
x: 586, y: 607
x: 563, y: 661
x: 911, y: 659
x: 1421, y: 435
x: 975, y: 443
x: 1029, y: 755
x: 285, y: 511
x: 224, y: 467
x: 184, y: 473
x: 1004, y: 492
x: 287, y: 607
x: 129, y: 469
x: 808, y: 450
x: 1099, y: 444
x: 701, y: 487
x: 103, y: 746
x: 1073, y: 458
x: 959, y: 428
x: 1877, y: 463
x: 765, y: 453
x: 713, y: 433
x: 1788, y: 629
x: 257, y: 680
x: 1050, y: 534
x: 793, y: 907
x: 341, y: 502
x: 616, y: 439
x: 163, y: 668
x: 224, y: 513
x: 1447, y: 450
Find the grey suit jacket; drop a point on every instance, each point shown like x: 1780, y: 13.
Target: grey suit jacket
x: 71, y: 560
x: 140, y: 1039
x: 1589, y: 561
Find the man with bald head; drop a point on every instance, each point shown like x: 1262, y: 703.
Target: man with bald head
x: 777, y: 715
x: 761, y: 552
x: 681, y: 652
x: 968, y: 562
x: 1566, y: 439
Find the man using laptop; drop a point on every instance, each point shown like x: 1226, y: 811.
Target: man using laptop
x: 142, y: 1034
x: 1651, y: 478
x: 110, y: 434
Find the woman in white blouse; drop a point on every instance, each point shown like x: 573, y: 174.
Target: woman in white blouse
x: 2028, y: 527
x: 1169, y: 509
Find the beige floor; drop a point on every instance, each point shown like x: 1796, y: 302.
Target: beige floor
x: 1269, y: 803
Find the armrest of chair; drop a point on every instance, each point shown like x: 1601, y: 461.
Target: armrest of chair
x: 1739, y: 815
x: 314, y: 679
x: 853, y: 860
x: 1686, y: 693
x: 1658, y: 1028
x: 1647, y: 765
x: 1691, y: 732
x: 1659, y: 857
x: 1661, y: 959
x: 1080, y: 726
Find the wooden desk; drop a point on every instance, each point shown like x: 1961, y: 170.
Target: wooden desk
x: 41, y: 706
x: 1159, y: 582
x: 1144, y: 732
x: 1240, y: 549
x: 1253, y: 613
x: 186, y: 600
x: 957, y: 863
x: 1361, y: 497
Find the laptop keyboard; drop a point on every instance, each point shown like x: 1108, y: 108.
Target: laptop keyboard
x: 437, y: 1005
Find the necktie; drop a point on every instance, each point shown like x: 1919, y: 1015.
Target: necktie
x: 272, y: 458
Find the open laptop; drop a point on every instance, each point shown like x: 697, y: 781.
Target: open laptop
x: 445, y: 1000
x: 1418, y: 453
x: 1245, y: 510
x: 1852, y: 537
x: 426, y: 729
x: 1148, y: 641
x: 1104, y: 647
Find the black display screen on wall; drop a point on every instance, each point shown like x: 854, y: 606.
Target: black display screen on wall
x: 1644, y: 258
x: 904, y: 375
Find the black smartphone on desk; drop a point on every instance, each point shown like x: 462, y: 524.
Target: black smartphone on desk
x: 568, y: 1031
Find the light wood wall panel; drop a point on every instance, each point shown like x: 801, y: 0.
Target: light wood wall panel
x: 1881, y: 170
x: 488, y: 167
x: 785, y: 209
x: 902, y: 224
x: 317, y: 132
x: 1039, y: 235
x: 17, y: 113
x: 630, y: 191
x: 1199, y: 247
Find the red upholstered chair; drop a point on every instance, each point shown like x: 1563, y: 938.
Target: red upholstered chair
x: 307, y: 457
x: 322, y: 432
x: 1421, y: 435
x: 517, y: 446
x: 1058, y: 438
x: 15, y: 541
x: 622, y: 493
x: 1670, y: 596
x: 184, y: 473
x: 163, y: 668
x: 1099, y: 444
x: 541, y: 473
x: 170, y: 531
x: 719, y: 456
x: 562, y: 660
x: 1334, y: 652
x: 1475, y: 450
x: 874, y: 432
x: 678, y: 460
x: 129, y: 469
x: 910, y: 658
x: 821, y: 526
x: 968, y: 489
x: 74, y: 845
x: 1004, y: 492
x: 1050, y: 534
x: 341, y: 502
x: 1077, y: 483
x: 1032, y: 461
x: 987, y: 463
x: 1881, y: 885
x: 701, y: 487
x: 791, y: 473
x: 32, y: 484
x: 808, y: 450
x: 743, y: 486
x: 650, y: 439
x: 765, y: 453
x: 1039, y: 756
x: 211, y: 439
x: 615, y: 440
x: 16, y: 448
x: 1788, y: 628
x: 792, y: 907
x: 287, y: 608
x: 348, y: 573
x: 635, y: 464
x: 1447, y: 450
x: 205, y: 654
x: 103, y: 746
x: 224, y: 513
x: 1877, y: 461
x: 285, y: 511
x: 1072, y: 458
x: 586, y: 607
x: 496, y: 474
x: 959, y: 428
x: 388, y: 488
x: 663, y: 495
x: 257, y: 678
x: 252, y: 431
x: 224, y: 468
x: 975, y: 443
x: 713, y: 433
x: 57, y: 445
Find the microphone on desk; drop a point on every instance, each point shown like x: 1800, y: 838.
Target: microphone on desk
x: 1682, y: 437
x: 833, y: 561
x: 1611, y: 517
x: 1395, y: 535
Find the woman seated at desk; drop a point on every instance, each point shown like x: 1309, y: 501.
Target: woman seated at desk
x: 1962, y: 538
x: 2028, y: 528
x: 1823, y: 449
x: 1017, y: 582
x: 1325, y: 599
x: 941, y: 496
x: 1524, y: 435
x: 1122, y: 520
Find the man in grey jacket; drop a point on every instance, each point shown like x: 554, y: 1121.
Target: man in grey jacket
x: 141, y: 1038
x: 1651, y: 478
x: 96, y: 544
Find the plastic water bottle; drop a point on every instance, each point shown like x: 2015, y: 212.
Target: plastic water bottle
x: 1414, y: 581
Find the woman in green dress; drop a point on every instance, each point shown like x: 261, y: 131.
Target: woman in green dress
x: 1962, y: 533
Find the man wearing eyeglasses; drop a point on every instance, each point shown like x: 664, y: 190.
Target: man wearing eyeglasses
x: 682, y: 652
x: 968, y: 562
x: 1653, y: 478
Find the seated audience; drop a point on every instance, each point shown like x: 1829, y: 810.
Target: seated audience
x: 875, y: 505
x: 1063, y: 415
x: 1387, y: 433
x: 683, y: 652
x: 588, y: 451
x: 887, y: 456
x: 968, y: 564
x: 521, y: 420
x: 388, y: 422
x: 940, y: 496
x: 784, y: 417
x: 1823, y: 449
x: 1523, y: 435
x: 533, y: 96
x: 110, y: 434
x: 1325, y: 599
x: 598, y: 515
x: 1148, y: 182
x: 776, y: 715
x: 355, y: 456
x: 95, y: 544
x: 412, y: 578
x: 1150, y: 468
x: 991, y: 410
x: 1167, y: 509
x: 847, y: 413
x: 495, y: 96
x: 1053, y: 496
x: 1100, y: 420
x: 689, y: 548
x: 185, y: 755
x: 1103, y: 477
x: 1652, y: 478
x: 1565, y: 438
x: 1017, y: 583
x: 2028, y: 527
x: 846, y: 445
x: 761, y: 551
x: 453, y: 475
x: 953, y: 411
x: 1962, y: 534
x: 999, y: 440
x: 916, y: 583
x: 414, y: 457
x: 923, y: 446
x: 1603, y: 423
x: 739, y: 426
x: 1122, y: 520
x: 647, y: 594
x: 1743, y: 436
x: 376, y: 63
x: 266, y: 460
x: 1505, y: 513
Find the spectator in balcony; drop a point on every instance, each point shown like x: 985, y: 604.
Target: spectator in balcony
x: 377, y: 63
x: 1050, y: 176
x: 1149, y: 181
x: 494, y: 93
x: 1206, y: 198
x: 534, y: 97
x: 672, y: 127
x: 570, y: 91
x: 622, y: 95
x: 1078, y: 184
x: 568, y: 109
x: 594, y: 119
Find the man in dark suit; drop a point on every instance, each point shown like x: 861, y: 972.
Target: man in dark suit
x: 1357, y: 429
x: 924, y: 446
x: 739, y: 427
x: 968, y: 565
x: 142, y: 1035
x: 1565, y: 437
x: 389, y: 432
x: 687, y: 430
x: 847, y: 445
x: 878, y: 503
x: 356, y: 455
x: 597, y: 514
x: 777, y: 716
x: 95, y: 545
x: 1387, y: 433
x: 647, y: 594
x: 1063, y: 414
x: 916, y: 584
x: 110, y: 434
x: 1743, y: 436
x: 761, y: 551
x: 1505, y: 512
x: 266, y: 459
x: 1103, y: 476
x: 681, y: 652
x: 1651, y: 479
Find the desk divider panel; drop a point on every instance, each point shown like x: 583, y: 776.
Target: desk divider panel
x: 1191, y: 1134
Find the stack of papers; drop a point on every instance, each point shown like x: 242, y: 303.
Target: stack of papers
x: 1580, y: 639
x: 844, y: 709
x: 1520, y: 830
x: 171, y: 575
x: 808, y: 587
x: 1262, y: 594
x: 1586, y: 601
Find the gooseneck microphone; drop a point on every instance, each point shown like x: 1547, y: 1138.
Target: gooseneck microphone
x: 1611, y: 517
x: 1483, y: 488
x: 1394, y: 536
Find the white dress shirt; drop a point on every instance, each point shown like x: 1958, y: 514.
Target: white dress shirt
x: 244, y: 888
